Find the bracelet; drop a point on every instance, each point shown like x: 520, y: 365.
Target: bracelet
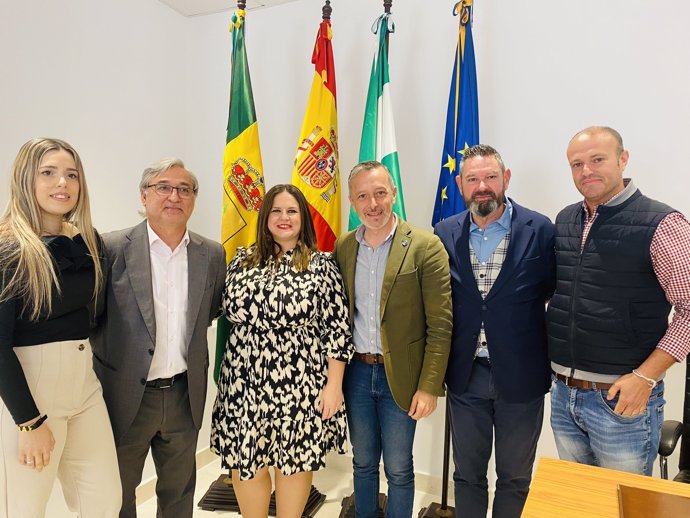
x: 33, y: 426
x: 650, y: 381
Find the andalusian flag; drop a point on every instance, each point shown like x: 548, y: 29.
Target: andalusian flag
x: 378, y: 133
x: 462, y: 118
x: 316, y: 170
x: 243, y: 179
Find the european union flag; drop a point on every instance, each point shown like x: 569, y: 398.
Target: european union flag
x: 462, y: 119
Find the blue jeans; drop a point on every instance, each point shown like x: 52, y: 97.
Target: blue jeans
x: 378, y: 425
x: 588, y: 431
x: 475, y: 416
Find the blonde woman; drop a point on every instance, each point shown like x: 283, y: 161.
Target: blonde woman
x: 53, y: 421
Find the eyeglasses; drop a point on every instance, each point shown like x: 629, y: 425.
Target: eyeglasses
x: 163, y: 189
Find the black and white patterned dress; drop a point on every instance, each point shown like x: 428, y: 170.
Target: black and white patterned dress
x: 285, y: 325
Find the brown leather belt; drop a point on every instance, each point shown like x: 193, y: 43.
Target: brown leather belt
x: 370, y: 359
x: 582, y: 384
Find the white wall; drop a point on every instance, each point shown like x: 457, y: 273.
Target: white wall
x: 111, y: 77
x: 545, y: 70
x: 130, y: 81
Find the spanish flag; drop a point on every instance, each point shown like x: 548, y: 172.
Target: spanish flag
x: 243, y: 178
x: 316, y: 171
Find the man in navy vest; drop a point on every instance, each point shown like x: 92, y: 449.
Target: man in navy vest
x: 623, y: 260
x: 502, y: 273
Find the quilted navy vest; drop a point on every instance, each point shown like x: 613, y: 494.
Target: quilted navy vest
x: 608, y: 312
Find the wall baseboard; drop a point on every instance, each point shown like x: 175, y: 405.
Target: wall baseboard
x: 423, y: 482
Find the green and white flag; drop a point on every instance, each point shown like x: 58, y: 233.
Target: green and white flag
x: 378, y: 131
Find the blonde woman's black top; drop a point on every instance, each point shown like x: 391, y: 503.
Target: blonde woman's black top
x: 69, y: 320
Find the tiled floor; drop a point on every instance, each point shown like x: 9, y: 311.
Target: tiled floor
x: 334, y: 481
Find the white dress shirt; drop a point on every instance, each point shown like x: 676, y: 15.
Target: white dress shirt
x: 169, y: 276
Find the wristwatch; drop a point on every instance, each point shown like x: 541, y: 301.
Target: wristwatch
x: 31, y: 427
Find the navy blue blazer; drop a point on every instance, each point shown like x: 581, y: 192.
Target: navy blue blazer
x: 513, y: 311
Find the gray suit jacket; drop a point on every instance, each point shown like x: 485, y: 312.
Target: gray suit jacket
x: 125, y: 335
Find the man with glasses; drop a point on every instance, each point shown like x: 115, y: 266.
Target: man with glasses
x: 163, y: 289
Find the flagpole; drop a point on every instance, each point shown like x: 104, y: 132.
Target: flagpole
x: 221, y: 495
x: 443, y: 510
x: 387, y: 4
x: 348, y: 503
x: 326, y: 10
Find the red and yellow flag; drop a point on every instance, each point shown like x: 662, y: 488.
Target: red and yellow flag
x: 316, y: 171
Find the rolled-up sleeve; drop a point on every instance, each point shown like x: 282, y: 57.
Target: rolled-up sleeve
x: 670, y: 252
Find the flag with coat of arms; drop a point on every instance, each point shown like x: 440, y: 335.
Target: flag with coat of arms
x: 316, y: 171
x: 243, y: 178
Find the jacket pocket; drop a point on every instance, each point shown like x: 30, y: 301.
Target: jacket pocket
x: 105, y: 364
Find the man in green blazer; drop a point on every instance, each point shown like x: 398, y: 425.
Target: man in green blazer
x: 398, y: 285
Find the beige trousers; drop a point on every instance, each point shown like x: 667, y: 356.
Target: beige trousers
x: 64, y: 386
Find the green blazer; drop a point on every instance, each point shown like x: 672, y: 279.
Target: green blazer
x: 416, y: 312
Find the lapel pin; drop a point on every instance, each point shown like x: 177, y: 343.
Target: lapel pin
x: 404, y: 242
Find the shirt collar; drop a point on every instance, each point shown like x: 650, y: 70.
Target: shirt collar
x: 503, y: 221
x: 156, y: 241
x: 359, y: 234
x: 616, y: 199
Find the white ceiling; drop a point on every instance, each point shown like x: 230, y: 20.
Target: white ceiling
x: 200, y: 7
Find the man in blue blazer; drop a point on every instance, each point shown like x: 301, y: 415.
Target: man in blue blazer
x: 502, y: 273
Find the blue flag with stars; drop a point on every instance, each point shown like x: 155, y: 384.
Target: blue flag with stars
x: 462, y: 119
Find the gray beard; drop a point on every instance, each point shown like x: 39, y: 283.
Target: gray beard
x: 484, y: 208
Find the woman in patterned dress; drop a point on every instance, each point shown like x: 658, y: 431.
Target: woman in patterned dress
x: 280, y: 401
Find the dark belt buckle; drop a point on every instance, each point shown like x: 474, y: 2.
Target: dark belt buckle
x: 165, y: 383
x: 377, y: 359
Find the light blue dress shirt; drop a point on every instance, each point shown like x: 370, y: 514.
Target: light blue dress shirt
x: 485, y: 241
x: 369, y: 273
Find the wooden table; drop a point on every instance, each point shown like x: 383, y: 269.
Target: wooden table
x: 563, y: 489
